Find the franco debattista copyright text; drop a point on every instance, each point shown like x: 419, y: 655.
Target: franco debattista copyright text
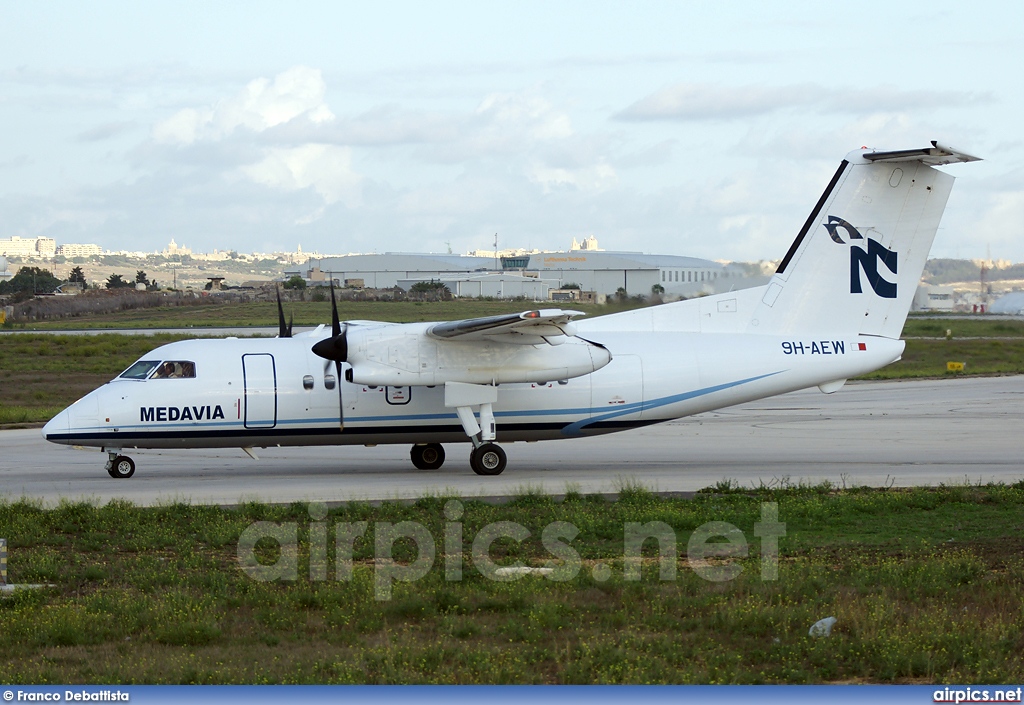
x: 68, y: 696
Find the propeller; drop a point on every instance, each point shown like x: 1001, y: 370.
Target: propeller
x: 335, y: 349
x: 283, y: 331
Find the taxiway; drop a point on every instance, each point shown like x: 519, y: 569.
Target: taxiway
x: 878, y: 433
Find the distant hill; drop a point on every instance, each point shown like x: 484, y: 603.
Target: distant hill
x: 947, y: 271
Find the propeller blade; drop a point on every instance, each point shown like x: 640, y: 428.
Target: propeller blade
x: 335, y: 324
x: 336, y: 347
x: 341, y: 402
x: 283, y: 331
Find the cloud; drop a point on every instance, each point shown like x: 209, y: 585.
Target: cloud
x: 262, y: 104
x: 105, y: 131
x: 16, y: 162
x: 699, y: 101
x: 660, y: 153
x: 595, y: 178
x: 327, y: 169
x: 381, y: 126
x: 519, y: 113
x: 999, y: 223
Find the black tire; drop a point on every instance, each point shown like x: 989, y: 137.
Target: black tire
x: 488, y: 459
x: 122, y: 468
x: 429, y: 456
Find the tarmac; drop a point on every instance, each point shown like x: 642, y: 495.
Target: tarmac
x: 906, y: 433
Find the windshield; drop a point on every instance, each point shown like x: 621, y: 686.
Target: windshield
x: 140, y: 370
x: 175, y: 369
x: 170, y: 369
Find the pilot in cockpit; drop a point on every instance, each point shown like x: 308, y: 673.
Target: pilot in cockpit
x: 165, y: 371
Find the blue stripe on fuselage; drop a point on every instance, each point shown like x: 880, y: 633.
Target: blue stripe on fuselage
x: 592, y: 415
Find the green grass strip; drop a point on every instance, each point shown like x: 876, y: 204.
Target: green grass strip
x: 927, y: 586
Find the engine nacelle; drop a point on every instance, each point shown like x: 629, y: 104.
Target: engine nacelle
x: 405, y: 355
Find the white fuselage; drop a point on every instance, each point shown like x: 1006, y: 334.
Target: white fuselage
x: 257, y: 392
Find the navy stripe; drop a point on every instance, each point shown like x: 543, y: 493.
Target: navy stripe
x: 811, y: 218
x: 601, y: 421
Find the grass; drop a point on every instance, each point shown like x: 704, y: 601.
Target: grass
x: 927, y: 586
x: 986, y: 347
x: 928, y: 358
x: 979, y: 327
x: 41, y: 374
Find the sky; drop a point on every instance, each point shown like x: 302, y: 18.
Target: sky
x: 688, y: 128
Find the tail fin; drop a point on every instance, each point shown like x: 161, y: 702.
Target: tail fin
x: 858, y: 259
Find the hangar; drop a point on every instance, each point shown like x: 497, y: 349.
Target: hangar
x: 592, y: 270
x: 1012, y: 303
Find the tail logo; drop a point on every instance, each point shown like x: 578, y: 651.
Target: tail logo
x: 865, y: 261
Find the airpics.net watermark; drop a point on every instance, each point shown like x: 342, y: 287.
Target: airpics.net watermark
x: 710, y: 549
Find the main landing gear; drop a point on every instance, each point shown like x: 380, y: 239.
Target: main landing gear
x: 427, y: 456
x: 487, y: 459
x: 119, y: 466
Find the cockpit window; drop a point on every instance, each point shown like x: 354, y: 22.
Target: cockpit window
x: 175, y: 369
x: 140, y: 370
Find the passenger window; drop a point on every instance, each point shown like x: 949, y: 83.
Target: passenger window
x: 307, y: 382
x: 329, y: 381
x: 173, y: 369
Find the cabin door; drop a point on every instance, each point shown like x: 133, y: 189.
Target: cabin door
x: 260, y: 379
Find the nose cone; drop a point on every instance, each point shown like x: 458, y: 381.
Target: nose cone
x: 57, y: 427
x: 73, y: 421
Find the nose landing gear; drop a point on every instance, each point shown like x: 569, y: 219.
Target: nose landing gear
x: 119, y: 466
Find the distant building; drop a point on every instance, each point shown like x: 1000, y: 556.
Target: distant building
x: 173, y: 249
x: 75, y: 250
x: 589, y: 244
x: 637, y: 273
x: 576, y: 295
x: 591, y: 270
x: 933, y: 298
x: 386, y: 270
x: 44, y: 247
x: 495, y: 285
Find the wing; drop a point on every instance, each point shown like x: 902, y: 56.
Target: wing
x: 550, y: 325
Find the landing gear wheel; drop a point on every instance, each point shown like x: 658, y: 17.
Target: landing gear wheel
x: 429, y: 456
x: 122, y: 467
x: 488, y: 459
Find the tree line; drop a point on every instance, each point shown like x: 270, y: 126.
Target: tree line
x: 31, y: 281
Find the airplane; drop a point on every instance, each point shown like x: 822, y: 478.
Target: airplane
x: 834, y: 309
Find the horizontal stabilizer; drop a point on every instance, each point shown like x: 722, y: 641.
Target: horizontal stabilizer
x: 936, y: 155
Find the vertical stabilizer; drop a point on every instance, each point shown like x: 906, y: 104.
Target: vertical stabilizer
x: 856, y: 263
